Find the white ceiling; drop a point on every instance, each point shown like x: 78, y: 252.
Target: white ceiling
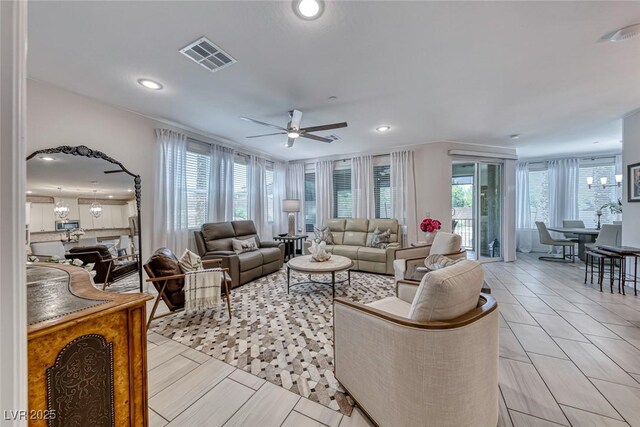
x: 473, y: 72
x: 74, y: 175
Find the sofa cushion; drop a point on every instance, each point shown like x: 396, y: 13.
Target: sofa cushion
x: 244, y: 228
x: 446, y: 243
x: 383, y: 224
x: 448, y: 293
x: 270, y: 255
x: 249, y: 260
x: 217, y: 236
x: 336, y: 226
x: 372, y: 254
x: 392, y: 305
x: 346, y: 250
x: 355, y: 232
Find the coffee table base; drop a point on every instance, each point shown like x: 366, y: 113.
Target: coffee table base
x: 319, y: 282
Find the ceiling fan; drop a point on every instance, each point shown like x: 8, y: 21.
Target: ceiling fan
x: 293, y: 129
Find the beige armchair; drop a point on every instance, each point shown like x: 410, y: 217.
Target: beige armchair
x: 430, y: 360
x: 409, y: 261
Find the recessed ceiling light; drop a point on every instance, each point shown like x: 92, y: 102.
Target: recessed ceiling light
x: 515, y: 136
x: 110, y: 196
x: 293, y: 134
x: 47, y: 159
x: 129, y: 190
x: 308, y: 9
x: 29, y: 192
x: 150, y: 84
x: 383, y: 128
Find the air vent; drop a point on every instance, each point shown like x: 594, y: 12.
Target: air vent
x: 333, y: 137
x: 207, y: 54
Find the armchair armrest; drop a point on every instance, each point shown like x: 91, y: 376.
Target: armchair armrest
x: 421, y: 251
x: 406, y: 290
x: 271, y: 244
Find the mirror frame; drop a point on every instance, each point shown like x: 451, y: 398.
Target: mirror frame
x: 84, y: 151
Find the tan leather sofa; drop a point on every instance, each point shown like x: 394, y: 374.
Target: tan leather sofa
x: 352, y: 238
x: 214, y: 241
x: 425, y: 358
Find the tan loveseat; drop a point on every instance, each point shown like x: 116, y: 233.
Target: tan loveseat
x: 352, y: 238
x: 425, y: 358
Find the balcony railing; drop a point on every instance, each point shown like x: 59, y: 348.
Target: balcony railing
x: 464, y: 227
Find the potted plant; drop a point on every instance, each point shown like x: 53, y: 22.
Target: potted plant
x: 430, y: 227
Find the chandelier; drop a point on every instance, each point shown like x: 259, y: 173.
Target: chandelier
x: 96, y: 208
x: 61, y: 208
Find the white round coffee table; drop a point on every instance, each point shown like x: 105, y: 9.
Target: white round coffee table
x: 306, y: 264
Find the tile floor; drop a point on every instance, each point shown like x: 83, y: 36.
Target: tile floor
x: 569, y: 356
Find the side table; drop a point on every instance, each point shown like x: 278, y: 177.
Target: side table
x: 292, y: 244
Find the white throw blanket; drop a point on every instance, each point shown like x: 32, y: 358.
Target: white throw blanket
x: 202, y: 289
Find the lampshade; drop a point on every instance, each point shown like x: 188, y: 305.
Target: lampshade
x: 291, y: 205
x: 589, y: 180
x: 618, y: 178
x: 603, y: 180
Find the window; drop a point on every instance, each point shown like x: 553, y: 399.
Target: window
x: 592, y: 199
x: 269, y: 183
x: 309, y: 201
x: 539, y: 195
x: 342, y: 200
x: 382, y: 190
x: 197, y: 176
x: 240, y: 187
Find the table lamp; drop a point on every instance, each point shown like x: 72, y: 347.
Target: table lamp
x: 292, y: 206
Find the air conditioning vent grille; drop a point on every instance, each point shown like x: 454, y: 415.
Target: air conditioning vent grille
x: 204, y: 52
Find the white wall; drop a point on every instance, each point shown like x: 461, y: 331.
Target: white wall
x: 630, y: 155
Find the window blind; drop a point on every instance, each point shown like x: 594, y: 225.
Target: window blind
x: 309, y: 201
x: 197, y: 176
x: 240, y: 191
x: 382, y: 190
x: 342, y: 197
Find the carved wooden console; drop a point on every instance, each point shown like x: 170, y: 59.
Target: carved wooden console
x: 87, y: 351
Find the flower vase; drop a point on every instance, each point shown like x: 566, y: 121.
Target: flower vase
x: 429, y: 236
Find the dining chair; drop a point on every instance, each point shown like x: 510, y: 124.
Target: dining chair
x: 610, y: 235
x: 546, y: 239
x: 572, y: 223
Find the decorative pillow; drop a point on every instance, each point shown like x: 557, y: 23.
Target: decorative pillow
x: 244, y: 245
x: 323, y: 235
x: 438, y: 261
x: 113, y: 251
x: 380, y: 239
x: 189, y: 262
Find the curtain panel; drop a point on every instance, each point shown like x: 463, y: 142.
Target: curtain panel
x: 524, y: 228
x: 403, y: 194
x: 170, y: 226
x: 295, y: 190
x: 324, y: 191
x: 257, y: 196
x: 362, y: 196
x: 221, y: 184
x: 563, y: 190
x: 279, y: 194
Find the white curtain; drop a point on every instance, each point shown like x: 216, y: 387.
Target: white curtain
x: 257, y: 196
x: 170, y: 227
x: 295, y: 190
x: 324, y: 191
x: 524, y: 228
x: 563, y: 190
x: 279, y: 194
x: 221, y: 184
x: 362, y: 187
x: 403, y: 194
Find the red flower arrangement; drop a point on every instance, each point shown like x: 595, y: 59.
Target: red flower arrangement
x: 429, y: 225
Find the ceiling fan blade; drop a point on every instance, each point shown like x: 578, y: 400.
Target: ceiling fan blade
x: 267, y: 134
x: 324, y: 127
x: 290, y: 142
x: 262, y: 123
x: 296, y: 118
x: 316, y: 138
x: 114, y: 171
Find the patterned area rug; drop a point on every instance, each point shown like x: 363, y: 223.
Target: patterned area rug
x: 285, y: 339
x: 127, y: 285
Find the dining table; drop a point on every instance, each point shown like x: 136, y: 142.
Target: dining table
x: 585, y: 235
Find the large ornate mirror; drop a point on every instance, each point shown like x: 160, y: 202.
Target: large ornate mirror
x: 84, y: 207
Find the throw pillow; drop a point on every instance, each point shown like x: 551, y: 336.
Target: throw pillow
x: 244, y: 245
x: 323, y: 235
x: 189, y: 262
x: 380, y: 239
x: 438, y: 261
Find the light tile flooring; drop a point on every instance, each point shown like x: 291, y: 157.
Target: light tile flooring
x: 569, y: 356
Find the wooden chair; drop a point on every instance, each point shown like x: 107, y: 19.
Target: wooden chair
x: 165, y: 274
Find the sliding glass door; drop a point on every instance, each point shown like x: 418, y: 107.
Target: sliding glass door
x: 477, y: 201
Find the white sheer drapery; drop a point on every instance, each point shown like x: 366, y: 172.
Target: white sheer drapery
x: 324, y: 191
x: 524, y: 232
x: 257, y: 195
x: 403, y: 194
x: 221, y: 184
x: 279, y: 194
x: 170, y: 225
x: 362, y: 197
x: 295, y: 190
x: 563, y: 190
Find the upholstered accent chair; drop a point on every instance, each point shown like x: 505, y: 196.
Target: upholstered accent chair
x: 426, y: 357
x: 214, y: 241
x: 409, y: 262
